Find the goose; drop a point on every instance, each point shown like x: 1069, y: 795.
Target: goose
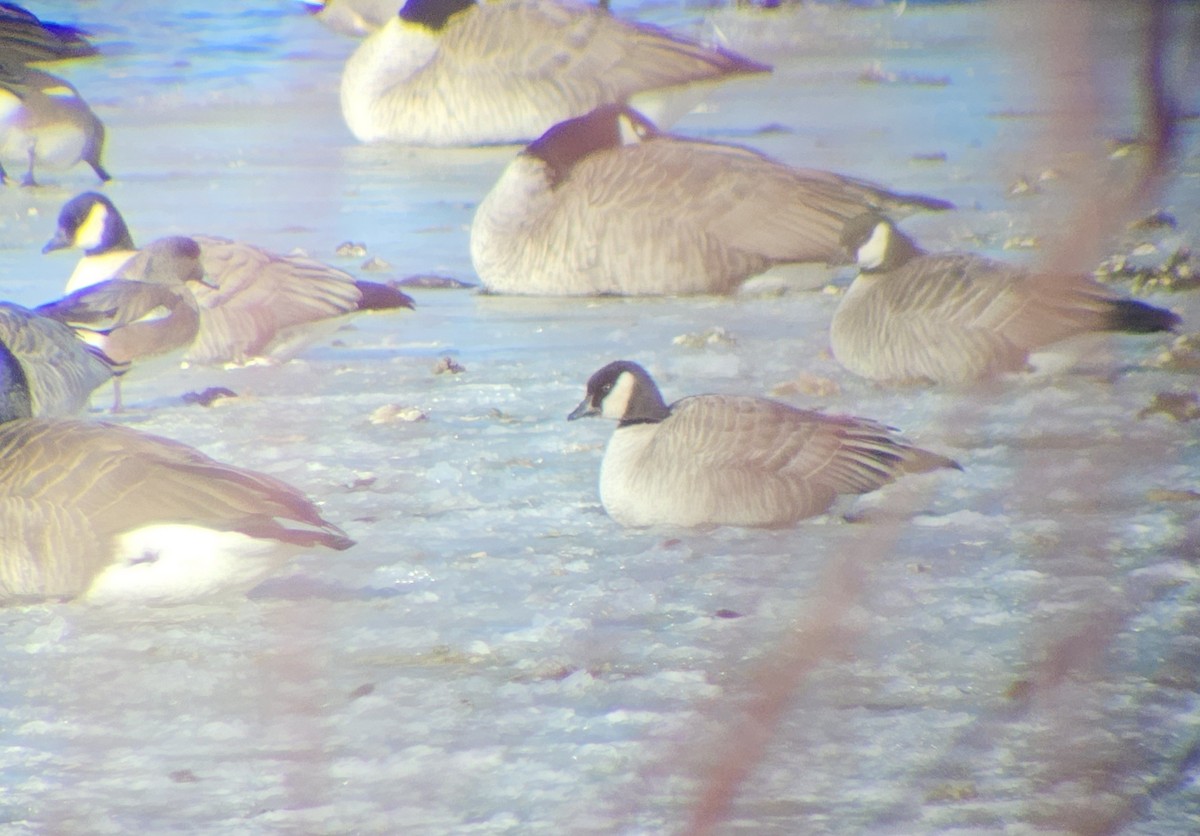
x: 260, y: 307
x: 354, y: 17
x: 912, y: 317
x: 733, y: 460
x: 60, y: 370
x: 44, y: 121
x: 23, y: 37
x: 147, y: 312
x: 460, y: 73
x: 607, y: 204
x: 111, y: 515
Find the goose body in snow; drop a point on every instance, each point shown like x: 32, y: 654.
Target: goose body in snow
x: 109, y: 514
x: 461, y: 73
x: 258, y: 307
x: 733, y: 460
x: 607, y: 204
x: 913, y: 317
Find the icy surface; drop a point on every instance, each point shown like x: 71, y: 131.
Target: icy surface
x: 1010, y: 649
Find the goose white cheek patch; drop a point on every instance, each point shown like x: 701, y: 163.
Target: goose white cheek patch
x: 872, y: 253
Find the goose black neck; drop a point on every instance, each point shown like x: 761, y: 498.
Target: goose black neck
x: 15, y: 399
x: 433, y: 14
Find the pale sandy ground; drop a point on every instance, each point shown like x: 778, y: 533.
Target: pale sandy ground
x: 496, y: 656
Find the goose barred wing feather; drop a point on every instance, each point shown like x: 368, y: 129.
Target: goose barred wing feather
x: 122, y: 478
x: 578, y: 51
x: 68, y: 488
x: 778, y: 463
x: 23, y: 37
x: 507, y: 71
x: 745, y: 212
x: 34, y: 559
x: 113, y: 304
x: 949, y: 319
x: 139, y: 319
x: 260, y: 294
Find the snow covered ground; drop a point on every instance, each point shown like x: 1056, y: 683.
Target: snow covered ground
x: 1010, y: 649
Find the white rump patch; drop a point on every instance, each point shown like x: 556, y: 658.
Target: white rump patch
x: 172, y: 563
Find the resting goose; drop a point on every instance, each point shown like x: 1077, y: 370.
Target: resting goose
x: 951, y: 318
x: 457, y: 72
x: 730, y: 460
x: 108, y: 514
x: 607, y: 204
x: 260, y: 307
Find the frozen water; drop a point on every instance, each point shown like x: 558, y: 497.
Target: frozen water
x: 1013, y: 648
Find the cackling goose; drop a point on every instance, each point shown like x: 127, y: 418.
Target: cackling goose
x: 606, y: 204
x: 728, y: 460
x: 951, y: 318
x: 109, y: 514
x: 457, y: 72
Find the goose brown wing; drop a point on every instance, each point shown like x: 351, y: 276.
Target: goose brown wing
x: 968, y: 306
x: 140, y: 319
x: 46, y: 549
x: 811, y: 451
x: 119, y: 478
x: 706, y: 212
x: 259, y: 294
x: 554, y: 50
x: 732, y: 199
x: 953, y: 317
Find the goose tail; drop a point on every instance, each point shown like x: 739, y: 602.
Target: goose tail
x: 1136, y: 317
x: 382, y: 297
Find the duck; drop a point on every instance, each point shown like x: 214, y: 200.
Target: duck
x: 60, y: 370
x: 148, y: 312
x: 607, y: 203
x: 355, y: 18
x: 45, y: 122
x: 710, y: 460
x: 462, y: 73
x: 911, y: 317
x: 109, y: 515
x: 257, y: 307
x: 24, y: 38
